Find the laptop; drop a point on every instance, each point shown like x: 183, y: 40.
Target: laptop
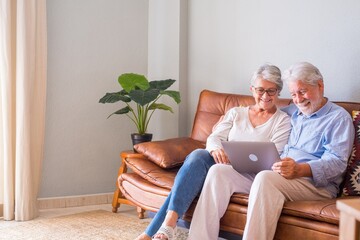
x: 251, y: 157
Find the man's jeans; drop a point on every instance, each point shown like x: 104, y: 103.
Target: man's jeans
x: 188, y: 184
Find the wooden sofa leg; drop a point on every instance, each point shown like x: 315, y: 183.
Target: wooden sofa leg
x: 141, y: 212
x: 115, y: 202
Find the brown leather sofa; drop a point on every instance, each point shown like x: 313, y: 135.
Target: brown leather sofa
x: 151, y: 180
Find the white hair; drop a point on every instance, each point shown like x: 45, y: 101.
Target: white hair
x: 269, y: 73
x: 303, y: 71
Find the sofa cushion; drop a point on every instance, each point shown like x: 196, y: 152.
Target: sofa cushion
x: 168, y: 153
x: 324, y: 210
x: 352, y: 176
x: 151, y: 172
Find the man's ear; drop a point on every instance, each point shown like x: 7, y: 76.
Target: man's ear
x: 321, y: 85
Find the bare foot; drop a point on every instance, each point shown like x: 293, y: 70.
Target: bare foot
x: 143, y: 236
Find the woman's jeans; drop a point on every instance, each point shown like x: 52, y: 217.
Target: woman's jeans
x: 188, y: 184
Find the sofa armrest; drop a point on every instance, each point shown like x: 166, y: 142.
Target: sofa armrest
x: 131, y: 154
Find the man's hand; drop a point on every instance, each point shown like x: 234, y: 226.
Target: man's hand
x: 220, y: 156
x: 289, y: 169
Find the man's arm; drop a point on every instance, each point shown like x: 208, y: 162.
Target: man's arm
x: 339, y: 139
x: 289, y: 169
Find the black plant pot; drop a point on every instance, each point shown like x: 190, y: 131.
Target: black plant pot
x: 140, y: 138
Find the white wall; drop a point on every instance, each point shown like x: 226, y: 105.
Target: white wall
x: 90, y: 43
x: 167, y: 58
x: 229, y: 39
x: 163, y: 59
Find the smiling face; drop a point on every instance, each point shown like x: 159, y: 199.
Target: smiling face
x: 261, y: 91
x: 308, y: 98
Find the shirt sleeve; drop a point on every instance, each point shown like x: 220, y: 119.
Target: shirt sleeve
x: 282, y: 132
x: 221, y: 132
x: 338, y: 141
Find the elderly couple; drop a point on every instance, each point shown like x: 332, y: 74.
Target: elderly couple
x: 314, y: 137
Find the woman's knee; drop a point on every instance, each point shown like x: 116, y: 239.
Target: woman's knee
x: 199, y: 157
x: 198, y: 153
x: 219, y: 172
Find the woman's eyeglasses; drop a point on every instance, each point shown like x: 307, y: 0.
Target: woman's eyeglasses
x: 261, y: 91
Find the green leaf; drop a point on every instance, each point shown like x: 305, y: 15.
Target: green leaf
x: 144, y: 97
x: 161, y: 84
x: 121, y: 111
x: 160, y: 106
x: 136, y: 88
x: 114, y: 97
x: 173, y: 94
x: 129, y: 81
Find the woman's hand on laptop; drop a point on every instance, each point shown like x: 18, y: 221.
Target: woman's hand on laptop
x: 220, y: 156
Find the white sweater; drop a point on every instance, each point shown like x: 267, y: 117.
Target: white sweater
x: 236, y: 126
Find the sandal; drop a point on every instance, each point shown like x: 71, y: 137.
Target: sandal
x: 168, y: 232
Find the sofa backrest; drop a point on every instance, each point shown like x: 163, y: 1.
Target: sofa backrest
x: 212, y: 105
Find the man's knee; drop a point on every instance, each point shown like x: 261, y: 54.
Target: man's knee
x: 266, y: 177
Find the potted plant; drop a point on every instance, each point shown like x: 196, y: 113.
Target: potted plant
x: 141, y: 97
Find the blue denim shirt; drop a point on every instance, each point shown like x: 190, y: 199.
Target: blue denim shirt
x: 323, y: 140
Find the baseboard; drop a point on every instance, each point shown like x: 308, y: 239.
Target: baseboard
x: 75, y: 201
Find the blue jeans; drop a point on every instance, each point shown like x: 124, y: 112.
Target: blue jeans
x: 188, y: 184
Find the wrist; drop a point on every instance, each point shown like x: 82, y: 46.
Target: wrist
x: 303, y: 170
